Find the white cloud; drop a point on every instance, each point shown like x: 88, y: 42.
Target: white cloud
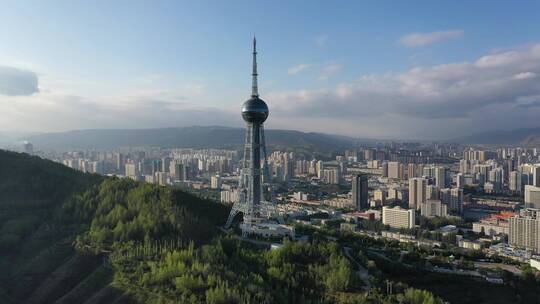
x: 298, y: 68
x: 324, y: 71
x: 422, y: 39
x: 195, y: 88
x: 17, y: 82
x: 329, y: 70
x: 525, y: 75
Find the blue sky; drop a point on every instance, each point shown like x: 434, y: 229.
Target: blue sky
x: 387, y: 66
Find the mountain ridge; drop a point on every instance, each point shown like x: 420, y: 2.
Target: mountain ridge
x: 181, y: 137
x: 521, y: 136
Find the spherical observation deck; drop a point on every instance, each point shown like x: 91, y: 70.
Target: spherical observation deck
x: 254, y: 110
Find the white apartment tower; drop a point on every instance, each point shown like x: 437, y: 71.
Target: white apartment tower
x: 398, y: 218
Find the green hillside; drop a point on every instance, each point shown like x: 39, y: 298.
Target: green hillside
x: 69, y: 237
x: 57, y: 224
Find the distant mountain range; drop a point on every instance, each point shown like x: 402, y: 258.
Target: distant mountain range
x: 526, y: 137
x: 227, y: 137
x: 184, y: 137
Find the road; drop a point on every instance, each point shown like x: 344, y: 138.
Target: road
x: 362, y: 272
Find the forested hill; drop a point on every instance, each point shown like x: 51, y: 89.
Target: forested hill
x: 55, y: 224
x: 31, y: 245
x: 32, y: 179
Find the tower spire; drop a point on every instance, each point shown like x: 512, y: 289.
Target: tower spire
x: 254, y: 87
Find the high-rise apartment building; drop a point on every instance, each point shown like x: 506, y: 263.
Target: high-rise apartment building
x: 429, y: 171
x: 165, y: 164
x: 460, y: 180
x: 119, y: 162
x: 301, y: 167
x: 536, y: 175
x: 413, y: 170
x: 432, y: 192
x: 524, y: 230
x: 456, y: 200
x: 417, y: 192
x: 514, y: 182
x: 132, y: 170
x: 508, y: 166
x: 369, y: 154
x: 312, y: 167
x: 464, y: 166
x: 532, y: 197
x: 440, y: 177
x: 97, y: 167
x: 331, y: 175
x: 160, y: 178
x: 379, y: 196
x: 155, y: 166
x: 319, y: 168
x: 384, y: 169
x: 453, y: 198
x: 395, y: 170
x: 431, y: 208
x: 288, y: 167
x: 475, y: 155
x: 495, y: 176
x: 215, y: 182
x: 360, y: 191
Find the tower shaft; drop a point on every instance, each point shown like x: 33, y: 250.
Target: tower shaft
x: 254, y: 186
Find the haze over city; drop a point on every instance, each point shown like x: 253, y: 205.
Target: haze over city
x: 394, y: 70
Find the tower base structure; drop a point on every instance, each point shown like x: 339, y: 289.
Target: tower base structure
x: 268, y: 223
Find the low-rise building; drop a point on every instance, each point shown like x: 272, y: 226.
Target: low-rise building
x: 494, y: 224
x: 535, y: 263
x: 270, y: 230
x: 474, y: 245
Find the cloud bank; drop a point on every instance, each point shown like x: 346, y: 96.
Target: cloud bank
x: 50, y: 111
x: 422, y: 39
x: 461, y: 95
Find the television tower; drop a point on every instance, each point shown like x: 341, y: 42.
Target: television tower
x: 255, y: 201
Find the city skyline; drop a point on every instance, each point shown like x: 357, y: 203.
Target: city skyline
x: 432, y: 73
